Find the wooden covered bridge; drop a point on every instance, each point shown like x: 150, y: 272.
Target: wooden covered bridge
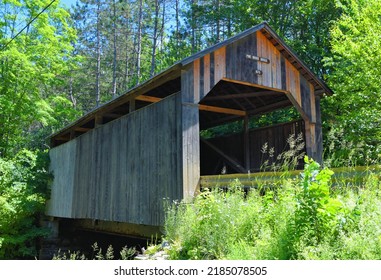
x: 114, y: 166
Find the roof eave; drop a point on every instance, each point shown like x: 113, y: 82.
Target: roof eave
x: 136, y: 91
x: 322, y: 84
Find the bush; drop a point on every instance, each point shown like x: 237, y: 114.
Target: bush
x: 301, y: 218
x: 220, y: 225
x: 23, y: 191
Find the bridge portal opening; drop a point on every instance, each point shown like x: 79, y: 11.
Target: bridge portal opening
x: 247, y: 129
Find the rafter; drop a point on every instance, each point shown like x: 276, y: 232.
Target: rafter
x: 202, y: 107
x: 243, y: 95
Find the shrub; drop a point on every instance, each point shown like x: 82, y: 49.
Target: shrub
x: 302, y: 218
x: 23, y: 191
x: 220, y: 225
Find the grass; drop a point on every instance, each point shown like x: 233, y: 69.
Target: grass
x: 301, y: 218
x: 97, y: 254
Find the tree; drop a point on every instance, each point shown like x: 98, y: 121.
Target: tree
x: 139, y: 42
x: 355, y: 77
x: 32, y: 66
x: 23, y: 184
x: 304, y: 25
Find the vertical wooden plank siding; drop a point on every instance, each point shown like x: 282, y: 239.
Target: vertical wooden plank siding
x: 201, y: 79
x: 206, y: 73
x: 265, y: 51
x: 283, y: 72
x: 122, y: 170
x: 293, y: 82
x: 195, y: 84
x: 313, y: 103
x: 318, y: 132
x: 275, y: 66
x: 117, y: 163
x: 305, y: 97
x: 219, y: 64
x: 187, y: 87
x: 191, y: 149
x: 307, y: 135
x: 85, y: 175
x: 274, y: 137
x: 246, y: 142
x: 196, y: 80
x: 62, y: 166
x: 232, y: 61
x: 309, y: 109
x: 212, y: 69
x: 190, y: 131
x: 238, y: 67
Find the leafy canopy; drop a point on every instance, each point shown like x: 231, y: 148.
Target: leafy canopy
x: 355, y: 76
x: 31, y: 66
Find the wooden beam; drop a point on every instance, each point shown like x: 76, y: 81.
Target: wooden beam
x: 63, y: 138
x: 166, y: 76
x: 221, y: 110
x: 243, y: 95
x: 98, y: 121
x: 82, y: 129
x: 253, y: 85
x: 297, y: 106
x: 246, y: 142
x: 201, y: 107
x: 147, y: 98
x: 270, y: 107
x: 132, y: 105
x: 230, y: 161
x: 72, y: 134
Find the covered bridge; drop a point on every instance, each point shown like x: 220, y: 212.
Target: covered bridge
x: 116, y: 164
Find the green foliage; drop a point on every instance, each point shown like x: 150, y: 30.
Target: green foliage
x: 23, y: 191
x: 354, y: 111
x: 288, y: 159
x: 32, y: 67
x: 297, y: 219
x: 304, y: 25
x: 317, y: 213
x: 218, y: 225
x: 125, y: 253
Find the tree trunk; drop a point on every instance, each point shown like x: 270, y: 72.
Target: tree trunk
x: 115, y: 54
x: 162, y: 26
x: 218, y: 21
x: 139, y: 42
x: 154, y: 39
x: 126, y: 65
x: 177, y: 31
x: 193, y: 27
x: 98, y: 46
x: 71, y: 95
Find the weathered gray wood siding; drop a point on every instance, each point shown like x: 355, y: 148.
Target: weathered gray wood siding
x: 230, y: 62
x: 62, y: 166
x: 125, y: 168
x: 190, y: 134
x: 274, y: 137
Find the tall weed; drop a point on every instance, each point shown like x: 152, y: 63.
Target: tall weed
x: 301, y: 218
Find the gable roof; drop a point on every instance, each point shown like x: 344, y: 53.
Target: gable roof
x: 173, y: 73
x: 320, y: 86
